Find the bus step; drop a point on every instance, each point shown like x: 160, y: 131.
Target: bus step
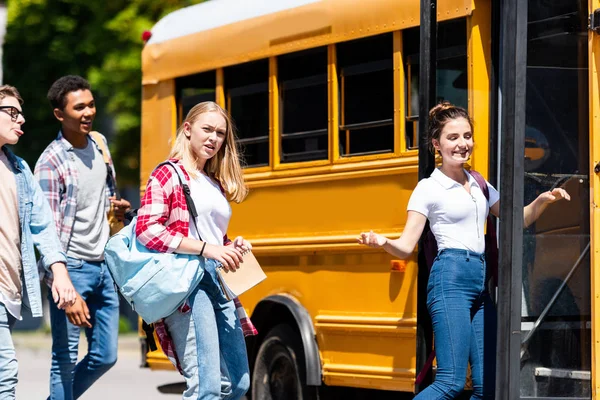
x: 562, y: 373
x: 553, y: 398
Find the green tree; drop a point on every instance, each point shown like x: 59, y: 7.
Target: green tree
x: 101, y: 41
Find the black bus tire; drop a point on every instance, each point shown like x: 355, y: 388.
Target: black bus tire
x: 279, y: 371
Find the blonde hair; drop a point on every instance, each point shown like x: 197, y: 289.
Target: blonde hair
x: 225, y: 166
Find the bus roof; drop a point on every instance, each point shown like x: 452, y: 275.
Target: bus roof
x: 215, y: 13
x: 220, y: 33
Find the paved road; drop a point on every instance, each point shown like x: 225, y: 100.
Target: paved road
x: 124, y: 381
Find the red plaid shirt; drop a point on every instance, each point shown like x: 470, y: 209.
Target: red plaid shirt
x: 162, y: 222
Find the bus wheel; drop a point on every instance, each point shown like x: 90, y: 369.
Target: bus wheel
x: 279, y: 369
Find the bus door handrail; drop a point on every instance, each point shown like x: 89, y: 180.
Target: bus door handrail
x: 540, y: 319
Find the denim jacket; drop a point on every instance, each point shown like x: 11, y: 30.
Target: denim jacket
x: 37, y: 228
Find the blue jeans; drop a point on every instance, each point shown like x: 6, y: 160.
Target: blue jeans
x: 8, y: 358
x: 68, y: 378
x: 464, y: 325
x: 210, y: 344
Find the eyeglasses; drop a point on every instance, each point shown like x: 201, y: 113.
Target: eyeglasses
x: 13, y: 112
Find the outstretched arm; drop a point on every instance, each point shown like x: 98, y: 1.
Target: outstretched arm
x: 536, y: 208
x: 402, y: 247
x: 533, y: 210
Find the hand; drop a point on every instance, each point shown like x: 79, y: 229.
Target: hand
x: 78, y: 314
x: 63, y: 292
x: 241, y: 244
x: 119, y: 207
x: 229, y: 256
x: 554, y: 195
x: 372, y: 239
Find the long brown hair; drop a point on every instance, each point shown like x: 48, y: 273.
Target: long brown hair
x: 225, y: 166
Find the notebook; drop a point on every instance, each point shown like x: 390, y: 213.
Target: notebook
x: 247, y: 276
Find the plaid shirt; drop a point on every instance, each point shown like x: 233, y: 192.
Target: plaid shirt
x: 162, y: 222
x: 58, y: 176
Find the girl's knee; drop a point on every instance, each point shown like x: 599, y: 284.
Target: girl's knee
x: 106, y: 363
x: 441, y: 391
x: 449, y: 389
x: 480, y: 393
x: 455, y: 389
x: 240, y: 388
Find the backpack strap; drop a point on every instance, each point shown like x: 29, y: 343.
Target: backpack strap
x: 428, y: 364
x: 186, y: 189
x: 482, y: 184
x: 491, y: 240
x: 149, y: 331
x: 104, y: 151
x: 98, y: 139
x: 186, y: 192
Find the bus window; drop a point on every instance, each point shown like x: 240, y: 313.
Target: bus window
x: 451, y: 72
x: 303, y: 105
x: 247, y: 89
x: 366, y: 79
x: 194, y: 89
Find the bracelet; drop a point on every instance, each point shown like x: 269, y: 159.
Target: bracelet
x: 202, y: 251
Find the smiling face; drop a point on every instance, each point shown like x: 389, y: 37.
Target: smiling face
x: 78, y: 114
x: 10, y: 131
x: 455, y: 143
x: 206, y: 134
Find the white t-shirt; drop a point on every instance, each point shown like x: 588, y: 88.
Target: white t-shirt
x: 457, y: 218
x: 214, y: 211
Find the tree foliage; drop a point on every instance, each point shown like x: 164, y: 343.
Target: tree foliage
x: 99, y: 40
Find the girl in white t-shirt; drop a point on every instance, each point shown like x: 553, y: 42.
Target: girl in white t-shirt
x: 457, y: 298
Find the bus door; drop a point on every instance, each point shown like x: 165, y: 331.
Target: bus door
x: 556, y: 304
x: 594, y: 68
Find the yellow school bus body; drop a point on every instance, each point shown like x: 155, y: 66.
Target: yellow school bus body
x: 303, y: 218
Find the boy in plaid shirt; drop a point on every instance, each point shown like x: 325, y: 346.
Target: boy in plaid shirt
x: 80, y: 188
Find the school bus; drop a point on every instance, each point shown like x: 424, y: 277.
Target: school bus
x: 325, y: 97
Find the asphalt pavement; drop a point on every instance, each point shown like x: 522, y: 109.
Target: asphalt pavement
x: 126, y: 380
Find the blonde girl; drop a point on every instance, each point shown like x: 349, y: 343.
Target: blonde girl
x: 206, y: 336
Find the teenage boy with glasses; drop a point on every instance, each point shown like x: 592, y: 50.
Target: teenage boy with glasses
x: 27, y: 221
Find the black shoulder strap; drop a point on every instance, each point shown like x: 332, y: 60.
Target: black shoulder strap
x: 149, y: 331
x: 186, y: 193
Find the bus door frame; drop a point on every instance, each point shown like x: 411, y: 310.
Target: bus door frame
x: 427, y: 99
x: 594, y: 174
x: 511, y: 133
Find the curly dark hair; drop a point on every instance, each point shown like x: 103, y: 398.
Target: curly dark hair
x: 63, y: 86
